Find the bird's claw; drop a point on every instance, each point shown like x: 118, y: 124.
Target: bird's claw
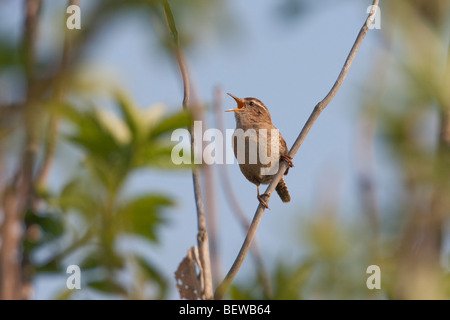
x: 262, y: 201
x: 288, y: 159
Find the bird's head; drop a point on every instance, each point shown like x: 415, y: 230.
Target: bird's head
x: 250, y: 111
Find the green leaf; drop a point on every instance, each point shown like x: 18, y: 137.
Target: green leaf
x: 114, y: 125
x: 239, y: 292
x: 289, y: 281
x: 182, y: 119
x: 93, y: 138
x: 170, y: 21
x: 78, y: 195
x: 107, y: 286
x: 154, y: 275
x: 64, y: 294
x: 92, y: 261
x: 130, y: 114
x: 102, y: 257
x: 94, y: 130
x: 10, y: 54
x: 152, y: 115
x: 142, y: 215
x: 159, y: 156
x: 50, y: 223
x: 50, y: 266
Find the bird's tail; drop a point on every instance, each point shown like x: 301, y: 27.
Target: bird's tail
x: 282, y: 191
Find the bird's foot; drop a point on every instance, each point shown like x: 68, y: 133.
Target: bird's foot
x: 262, y: 201
x: 288, y: 159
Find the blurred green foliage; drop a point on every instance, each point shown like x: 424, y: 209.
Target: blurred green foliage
x: 114, y: 147
x: 86, y: 220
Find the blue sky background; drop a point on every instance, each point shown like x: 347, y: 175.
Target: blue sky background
x: 290, y: 67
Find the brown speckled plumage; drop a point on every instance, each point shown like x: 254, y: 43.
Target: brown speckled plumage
x: 252, y: 114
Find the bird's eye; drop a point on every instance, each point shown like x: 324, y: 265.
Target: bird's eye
x: 251, y: 103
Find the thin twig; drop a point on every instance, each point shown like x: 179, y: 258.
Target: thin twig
x: 298, y: 142
x: 202, y: 236
x: 32, y: 8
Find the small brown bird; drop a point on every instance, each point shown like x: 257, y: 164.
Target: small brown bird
x: 251, y: 116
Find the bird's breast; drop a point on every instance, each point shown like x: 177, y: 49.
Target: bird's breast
x: 257, y: 153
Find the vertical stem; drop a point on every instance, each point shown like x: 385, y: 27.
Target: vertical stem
x: 18, y: 196
x: 10, y: 284
x: 202, y: 235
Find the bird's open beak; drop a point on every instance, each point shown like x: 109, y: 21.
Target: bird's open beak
x: 240, y: 103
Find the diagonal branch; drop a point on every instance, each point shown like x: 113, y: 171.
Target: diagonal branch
x: 298, y: 142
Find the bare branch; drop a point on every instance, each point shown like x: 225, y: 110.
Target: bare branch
x: 202, y: 236
x: 298, y: 142
x: 14, y: 283
x: 32, y: 8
